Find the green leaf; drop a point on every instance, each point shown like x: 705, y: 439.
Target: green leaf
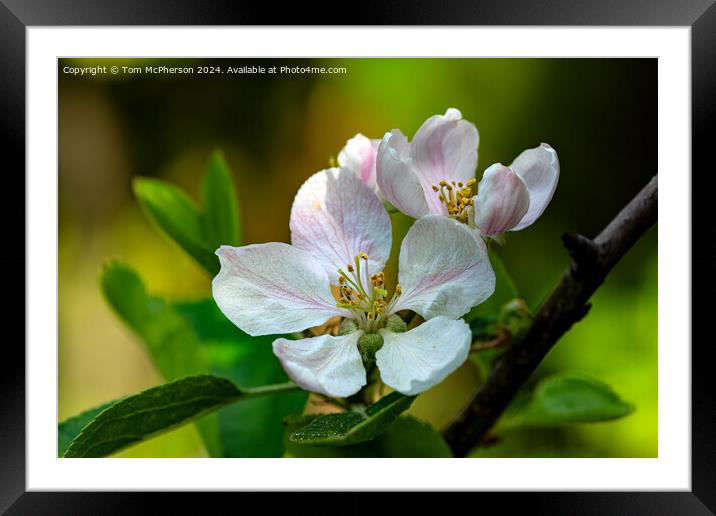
x: 150, y: 412
x: 208, y: 322
x: 199, y: 232
x: 156, y: 410
x: 353, y: 427
x: 252, y: 428
x: 176, y: 215
x: 68, y: 429
x: 170, y: 340
x: 220, y: 216
x: 564, y: 399
x: 195, y: 337
x: 406, y: 437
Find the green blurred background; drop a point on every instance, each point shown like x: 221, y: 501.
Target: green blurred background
x: 276, y: 130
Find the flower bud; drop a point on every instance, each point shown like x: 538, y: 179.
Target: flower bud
x: 515, y: 317
x: 368, y: 345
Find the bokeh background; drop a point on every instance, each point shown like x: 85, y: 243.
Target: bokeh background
x: 276, y: 130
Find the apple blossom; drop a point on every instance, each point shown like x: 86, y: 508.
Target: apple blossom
x: 511, y: 198
x: 435, y: 174
x: 341, y: 239
x: 358, y: 156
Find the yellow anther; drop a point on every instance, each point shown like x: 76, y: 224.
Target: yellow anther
x: 398, y: 290
x: 377, y: 279
x: 368, y: 304
x: 379, y: 306
x: 457, y: 199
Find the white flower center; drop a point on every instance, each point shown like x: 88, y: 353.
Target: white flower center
x: 457, y: 198
x: 364, y: 294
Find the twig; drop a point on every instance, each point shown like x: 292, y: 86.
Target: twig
x: 591, y: 262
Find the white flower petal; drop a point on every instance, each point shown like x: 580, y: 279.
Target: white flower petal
x: 335, y: 216
x: 396, y: 178
x: 445, y: 147
x: 414, y: 361
x: 272, y: 288
x: 328, y: 365
x: 502, y: 200
x: 444, y: 269
x: 539, y: 169
x: 358, y: 156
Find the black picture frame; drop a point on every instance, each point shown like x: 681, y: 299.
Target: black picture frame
x: 700, y: 15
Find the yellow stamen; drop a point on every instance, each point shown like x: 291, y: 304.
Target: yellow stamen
x: 457, y: 200
x: 368, y: 303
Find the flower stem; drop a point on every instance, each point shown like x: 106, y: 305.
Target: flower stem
x: 266, y: 390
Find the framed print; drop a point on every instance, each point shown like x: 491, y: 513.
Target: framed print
x: 399, y: 257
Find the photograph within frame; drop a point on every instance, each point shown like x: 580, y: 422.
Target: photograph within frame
x: 271, y: 120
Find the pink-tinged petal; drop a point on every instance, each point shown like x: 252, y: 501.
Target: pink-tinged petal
x: 396, y: 177
x: 443, y: 269
x: 335, y: 216
x: 502, y: 200
x: 272, y: 288
x: 358, y: 156
x: 416, y: 360
x: 445, y: 147
x: 328, y: 365
x: 539, y: 169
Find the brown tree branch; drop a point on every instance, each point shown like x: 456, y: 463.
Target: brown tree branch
x: 591, y: 262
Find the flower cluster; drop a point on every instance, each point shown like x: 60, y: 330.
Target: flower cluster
x: 340, y: 243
